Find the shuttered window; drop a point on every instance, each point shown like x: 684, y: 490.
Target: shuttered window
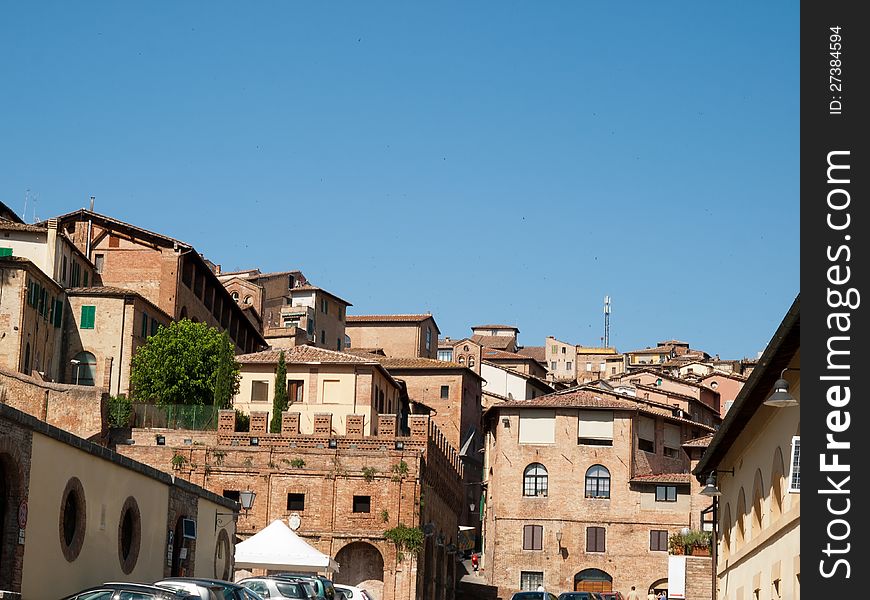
x: 5, y: 251
x: 595, y: 541
x: 88, y: 318
x: 595, y: 427
x: 646, y: 434
x: 537, y: 426
x: 533, y: 537
x: 57, y: 317
x: 144, y: 324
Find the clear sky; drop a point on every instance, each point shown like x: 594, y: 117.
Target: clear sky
x: 489, y: 162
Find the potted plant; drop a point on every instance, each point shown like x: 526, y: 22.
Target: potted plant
x: 676, y: 543
x: 699, y: 543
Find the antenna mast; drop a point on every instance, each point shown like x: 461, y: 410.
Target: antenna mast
x: 606, y: 321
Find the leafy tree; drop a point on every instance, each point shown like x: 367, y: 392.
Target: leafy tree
x: 180, y: 364
x: 279, y: 400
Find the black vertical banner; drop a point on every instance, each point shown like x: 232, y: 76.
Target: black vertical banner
x: 835, y: 225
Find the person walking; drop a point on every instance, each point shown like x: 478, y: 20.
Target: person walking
x: 633, y: 595
x: 651, y: 596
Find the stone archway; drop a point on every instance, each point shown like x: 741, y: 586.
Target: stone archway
x: 593, y: 580
x: 660, y: 585
x: 361, y: 565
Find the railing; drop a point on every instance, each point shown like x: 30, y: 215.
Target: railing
x: 175, y: 416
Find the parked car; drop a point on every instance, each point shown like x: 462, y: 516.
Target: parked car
x: 534, y: 596
x: 580, y: 596
x: 612, y: 596
x: 352, y: 593
x: 322, y: 586
x: 209, y: 589
x: 269, y: 587
x: 129, y: 591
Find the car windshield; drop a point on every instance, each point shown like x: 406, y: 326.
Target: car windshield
x: 291, y: 590
x: 528, y: 596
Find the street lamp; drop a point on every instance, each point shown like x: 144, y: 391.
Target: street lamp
x: 76, y: 364
x: 781, y: 398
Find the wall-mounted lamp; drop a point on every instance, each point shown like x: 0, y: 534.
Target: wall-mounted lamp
x: 400, y: 445
x: 506, y: 421
x: 780, y: 397
x: 254, y: 441
x: 559, y: 538
x: 333, y: 443
x: 161, y: 440
x: 246, y: 500
x: 710, y: 488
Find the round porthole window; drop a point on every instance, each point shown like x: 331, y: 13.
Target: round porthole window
x: 72, y: 519
x: 129, y: 535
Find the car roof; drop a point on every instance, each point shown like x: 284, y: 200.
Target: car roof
x: 132, y: 586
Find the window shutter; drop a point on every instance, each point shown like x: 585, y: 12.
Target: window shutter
x: 596, y: 424
x: 5, y: 251
x: 672, y: 436
x: 88, y: 317
x: 144, y: 324
x: 58, y: 313
x: 527, y: 537
x: 646, y: 429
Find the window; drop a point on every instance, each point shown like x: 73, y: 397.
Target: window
x: 84, y: 368
x: 322, y: 336
x: 555, y: 349
x: 446, y: 355
x: 362, y: 504
x: 72, y: 519
x: 794, y: 474
x: 552, y: 365
x: 290, y: 282
x: 57, y: 316
x: 63, y: 269
x: 249, y: 299
x: 672, y: 440
x: 658, y: 540
x: 646, y: 434
x: 296, y: 502
x: 98, y: 262
x: 597, y: 482
x: 259, y: 391
x: 537, y: 426
x: 666, y: 493
x: 531, y: 580
x: 86, y: 278
x: 535, y: 480
x: 88, y: 317
x: 129, y: 535
x: 295, y: 390
x: 563, y: 349
x: 5, y: 251
x: 588, y: 366
x: 470, y: 361
x: 428, y: 338
x: 533, y: 537
x: 595, y: 541
x: 144, y: 324
x: 235, y: 296
x: 595, y: 428
x: 569, y: 365
x: 114, y: 241
x: 461, y: 360
x: 602, y: 367
x: 232, y: 495
x: 324, y: 306
x: 445, y: 391
x: 338, y: 343
x: 155, y: 325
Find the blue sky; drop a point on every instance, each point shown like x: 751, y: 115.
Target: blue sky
x: 490, y: 162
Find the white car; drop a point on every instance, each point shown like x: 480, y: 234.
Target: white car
x: 275, y: 588
x: 352, y: 593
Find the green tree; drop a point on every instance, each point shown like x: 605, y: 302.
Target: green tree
x: 180, y: 364
x: 279, y: 400
x: 226, y: 379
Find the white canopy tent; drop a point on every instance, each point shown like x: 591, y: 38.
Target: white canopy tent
x: 277, y: 547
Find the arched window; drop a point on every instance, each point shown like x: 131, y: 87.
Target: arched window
x: 236, y: 296
x: 249, y: 299
x: 84, y: 368
x: 777, y: 483
x: 535, y: 480
x: 597, y: 482
x: 470, y: 361
x: 461, y: 360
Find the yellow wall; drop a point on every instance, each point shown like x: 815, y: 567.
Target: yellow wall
x: 207, y: 536
x: 774, y: 547
x: 47, y: 574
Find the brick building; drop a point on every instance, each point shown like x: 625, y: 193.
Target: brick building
x: 74, y: 514
x: 320, y: 381
x: 400, y: 336
x: 167, y: 272
x: 342, y: 491
x: 582, y: 492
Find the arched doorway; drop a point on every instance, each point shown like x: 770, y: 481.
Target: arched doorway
x: 362, y: 565
x: 84, y: 368
x: 593, y: 580
x: 660, y: 585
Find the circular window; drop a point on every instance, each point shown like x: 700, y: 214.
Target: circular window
x: 248, y: 299
x: 129, y: 535
x: 222, y: 556
x: 72, y: 519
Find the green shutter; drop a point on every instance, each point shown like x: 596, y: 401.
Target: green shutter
x: 86, y: 279
x: 154, y: 326
x: 5, y: 251
x: 88, y: 317
x: 58, y: 313
x: 144, y: 324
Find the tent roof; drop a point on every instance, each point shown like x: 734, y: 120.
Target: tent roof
x: 278, y: 547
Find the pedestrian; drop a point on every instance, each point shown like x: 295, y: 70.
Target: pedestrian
x: 633, y: 595
x: 662, y: 596
x: 652, y: 596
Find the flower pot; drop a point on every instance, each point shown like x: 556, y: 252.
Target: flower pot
x: 700, y: 551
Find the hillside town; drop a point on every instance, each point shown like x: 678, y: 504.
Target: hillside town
x: 425, y: 464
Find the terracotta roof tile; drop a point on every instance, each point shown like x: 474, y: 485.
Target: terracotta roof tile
x: 539, y: 353
x: 494, y: 341
x: 495, y: 354
x: 576, y: 398
x: 507, y: 327
x: 701, y: 442
x: 304, y: 354
x: 663, y: 478
x: 11, y: 226
x: 387, y: 318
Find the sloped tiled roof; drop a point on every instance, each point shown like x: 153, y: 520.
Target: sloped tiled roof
x: 496, y: 354
x: 539, y: 353
x: 84, y: 214
x: 494, y: 341
x: 303, y: 354
x: 663, y: 478
x: 576, y: 398
x: 519, y: 374
x: 387, y: 318
x: 651, y: 351
x: 314, y: 288
x: 701, y: 442
x: 506, y: 327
